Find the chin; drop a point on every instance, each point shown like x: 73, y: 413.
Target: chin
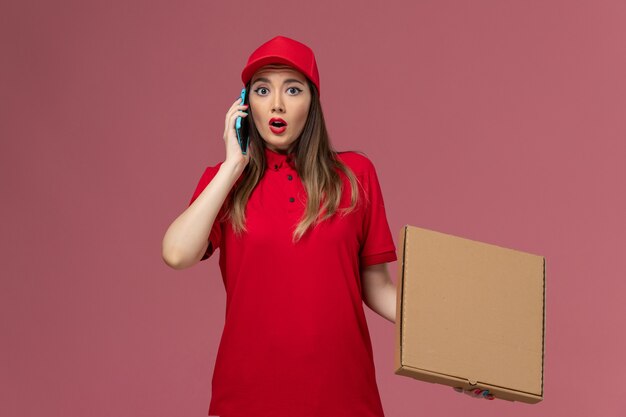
x: 280, y: 145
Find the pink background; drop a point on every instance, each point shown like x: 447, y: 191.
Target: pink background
x: 502, y: 122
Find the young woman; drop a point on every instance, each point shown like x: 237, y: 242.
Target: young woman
x: 304, y: 241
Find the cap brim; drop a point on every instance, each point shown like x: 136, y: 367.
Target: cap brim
x: 254, y: 66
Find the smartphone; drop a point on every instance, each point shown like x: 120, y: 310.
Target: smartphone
x: 241, y: 127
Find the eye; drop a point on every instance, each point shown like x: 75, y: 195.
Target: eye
x: 259, y: 89
x: 298, y: 91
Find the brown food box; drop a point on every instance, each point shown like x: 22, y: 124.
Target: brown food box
x: 470, y: 314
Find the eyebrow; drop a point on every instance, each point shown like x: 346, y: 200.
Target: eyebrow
x: 290, y: 80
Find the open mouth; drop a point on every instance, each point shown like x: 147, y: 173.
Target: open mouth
x: 277, y: 125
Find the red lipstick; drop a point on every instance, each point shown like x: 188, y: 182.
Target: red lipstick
x: 277, y: 125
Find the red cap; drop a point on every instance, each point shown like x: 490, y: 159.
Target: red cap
x: 283, y: 50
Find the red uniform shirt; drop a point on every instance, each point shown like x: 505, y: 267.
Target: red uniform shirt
x: 295, y: 340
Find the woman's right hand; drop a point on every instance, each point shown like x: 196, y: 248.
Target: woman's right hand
x: 234, y: 155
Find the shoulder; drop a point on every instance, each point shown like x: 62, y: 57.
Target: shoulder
x: 210, y: 172
x: 357, y: 161
x: 207, y: 176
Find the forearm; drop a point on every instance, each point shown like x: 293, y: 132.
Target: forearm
x: 187, y: 237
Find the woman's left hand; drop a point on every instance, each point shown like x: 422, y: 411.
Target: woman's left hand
x: 476, y: 393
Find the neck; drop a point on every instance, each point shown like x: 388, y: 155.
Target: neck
x: 277, y: 150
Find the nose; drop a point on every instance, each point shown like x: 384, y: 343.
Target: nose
x: 277, y: 104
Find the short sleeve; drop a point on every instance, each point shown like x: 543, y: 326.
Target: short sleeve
x: 215, y: 236
x: 377, y: 246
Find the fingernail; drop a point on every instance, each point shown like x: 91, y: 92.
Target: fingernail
x: 477, y: 391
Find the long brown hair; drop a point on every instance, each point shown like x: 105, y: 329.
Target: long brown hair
x: 315, y: 162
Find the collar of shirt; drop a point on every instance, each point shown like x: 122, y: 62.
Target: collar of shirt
x: 276, y: 161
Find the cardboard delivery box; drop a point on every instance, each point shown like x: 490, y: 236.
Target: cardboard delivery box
x: 470, y: 314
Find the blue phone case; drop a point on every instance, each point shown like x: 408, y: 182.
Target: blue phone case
x: 243, y: 142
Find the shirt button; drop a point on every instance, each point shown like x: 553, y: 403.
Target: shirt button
x: 289, y: 177
x: 291, y: 199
